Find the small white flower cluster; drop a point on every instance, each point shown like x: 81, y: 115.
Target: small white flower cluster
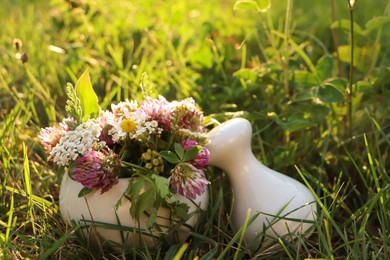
x: 146, y: 129
x: 75, y: 143
x: 191, y: 134
x: 187, y: 104
x: 105, y: 117
x: 125, y: 108
x: 144, y: 126
x: 117, y: 133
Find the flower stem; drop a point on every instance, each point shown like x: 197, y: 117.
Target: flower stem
x: 286, y: 46
x: 350, y: 89
x: 335, y: 38
x: 136, y: 166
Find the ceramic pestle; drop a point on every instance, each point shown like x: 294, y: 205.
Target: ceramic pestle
x: 258, y: 187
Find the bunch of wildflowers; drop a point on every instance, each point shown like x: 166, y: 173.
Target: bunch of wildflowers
x: 155, y: 139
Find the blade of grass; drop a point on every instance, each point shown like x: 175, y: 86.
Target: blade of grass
x: 58, y: 243
x: 322, y: 206
x: 301, y: 53
x: 372, y: 167
x: 329, y: 238
x: 210, y: 241
x: 27, y: 184
x: 10, y: 219
x: 35, y: 198
x: 285, y: 249
x: 180, y: 252
x: 171, y: 252
x: 238, y: 235
x: 248, y: 215
x: 370, y: 206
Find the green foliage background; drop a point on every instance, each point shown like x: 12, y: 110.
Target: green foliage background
x: 286, y: 69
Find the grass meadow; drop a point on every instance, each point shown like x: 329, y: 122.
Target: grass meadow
x: 313, y: 78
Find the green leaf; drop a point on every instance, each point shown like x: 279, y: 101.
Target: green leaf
x: 339, y: 83
x: 84, y: 191
x: 179, y: 150
x: 145, y: 200
x: 170, y: 157
x: 152, y: 218
x: 325, y: 67
x: 304, y: 79
x: 305, y: 95
x: 162, y: 185
x: 329, y: 94
x: 245, y: 5
x: 345, y: 25
x: 132, y: 193
x: 363, y: 56
x: 376, y: 23
x: 246, y: 74
x: 253, y: 5
x: 201, y: 58
x: 87, y: 96
x: 171, y: 200
x: 181, y: 210
x: 141, y: 203
x: 317, y: 112
x: 264, y: 5
x: 191, y: 153
x: 364, y: 86
x: 136, y: 187
x: 285, y: 155
x: 293, y: 122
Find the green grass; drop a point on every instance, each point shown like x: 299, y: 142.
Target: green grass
x: 281, y: 74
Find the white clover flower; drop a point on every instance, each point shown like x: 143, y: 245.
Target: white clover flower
x: 105, y: 117
x: 143, y: 132
x: 124, y: 109
x: 187, y: 104
x: 75, y: 143
x: 145, y: 126
x: 189, y: 133
x: 152, y: 127
x: 140, y: 117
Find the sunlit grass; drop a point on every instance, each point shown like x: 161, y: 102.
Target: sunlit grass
x: 278, y: 69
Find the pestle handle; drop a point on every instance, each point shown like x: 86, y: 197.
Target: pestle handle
x: 256, y: 186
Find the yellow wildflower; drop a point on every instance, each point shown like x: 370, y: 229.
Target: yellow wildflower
x: 128, y: 125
